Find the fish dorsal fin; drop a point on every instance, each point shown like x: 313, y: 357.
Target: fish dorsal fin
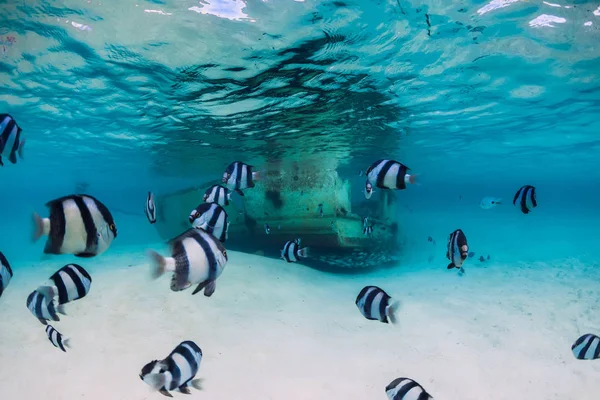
x: 54, y: 202
x: 187, y: 234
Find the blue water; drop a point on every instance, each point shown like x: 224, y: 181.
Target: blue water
x: 478, y: 98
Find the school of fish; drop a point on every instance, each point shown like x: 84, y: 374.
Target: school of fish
x: 81, y: 225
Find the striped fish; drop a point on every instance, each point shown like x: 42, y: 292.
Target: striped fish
x: 525, y: 199
x: 42, y: 307
x: 375, y: 304
x: 57, y: 339
x: 240, y: 176
x: 292, y: 252
x: 197, y: 257
x: 587, y: 347
x: 176, y: 372
x: 389, y: 174
x: 71, y: 282
x: 212, y: 218
x: 10, y: 139
x: 406, y: 389
x: 217, y: 194
x: 457, y: 250
x: 6, y: 273
x: 150, y: 208
x: 78, y: 224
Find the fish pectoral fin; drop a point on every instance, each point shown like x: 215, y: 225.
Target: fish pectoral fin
x: 201, y: 286
x: 208, y: 286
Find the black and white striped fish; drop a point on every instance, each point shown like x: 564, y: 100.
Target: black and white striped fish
x: 176, y: 372
x: 197, y: 257
x: 457, y: 250
x: 218, y: 194
x: 212, y: 218
x: 57, y: 339
x: 406, y: 389
x: 375, y: 304
x: 6, y: 273
x: 267, y: 229
x: 71, y: 282
x: 10, y: 139
x: 238, y: 176
x: 587, y: 347
x: 368, y: 230
x: 525, y: 199
x: 389, y: 174
x: 292, y: 252
x: 150, y: 208
x: 43, y: 308
x: 78, y: 224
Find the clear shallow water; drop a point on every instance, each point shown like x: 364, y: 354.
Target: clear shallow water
x: 479, y: 98
x: 165, y: 94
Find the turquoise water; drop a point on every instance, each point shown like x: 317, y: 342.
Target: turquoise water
x: 479, y: 98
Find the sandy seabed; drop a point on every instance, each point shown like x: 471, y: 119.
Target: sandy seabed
x: 282, y: 331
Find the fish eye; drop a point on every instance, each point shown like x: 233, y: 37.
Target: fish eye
x: 112, y: 227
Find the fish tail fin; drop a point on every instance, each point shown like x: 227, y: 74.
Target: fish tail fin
x: 67, y: 342
x: 499, y: 201
x: 304, y: 252
x: 451, y: 265
x: 160, y: 264
x: 38, y: 226
x: 20, y: 150
x: 61, y: 309
x: 412, y: 179
x: 156, y: 381
x: 257, y: 175
x: 392, y: 310
x: 196, y: 383
x: 47, y: 291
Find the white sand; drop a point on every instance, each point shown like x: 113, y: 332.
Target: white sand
x: 282, y: 331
